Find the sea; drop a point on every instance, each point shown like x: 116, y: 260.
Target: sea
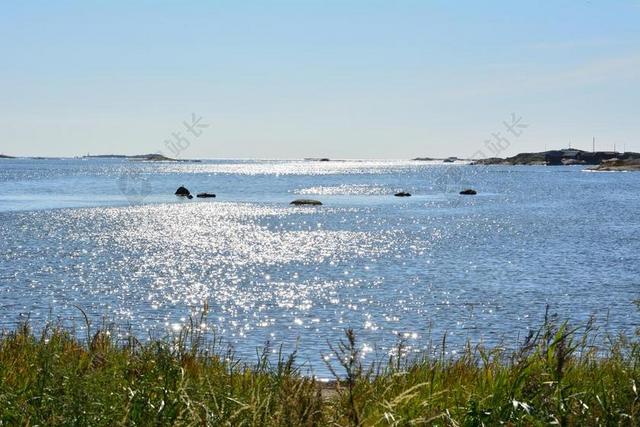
x: 107, y: 238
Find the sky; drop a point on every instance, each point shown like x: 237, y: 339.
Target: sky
x: 306, y: 78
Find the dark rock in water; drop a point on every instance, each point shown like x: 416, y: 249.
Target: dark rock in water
x: 182, y: 192
x: 189, y: 197
x: 205, y: 195
x: 402, y: 194
x: 325, y: 159
x: 469, y: 192
x: 300, y: 202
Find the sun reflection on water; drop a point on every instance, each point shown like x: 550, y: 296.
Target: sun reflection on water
x: 409, y: 270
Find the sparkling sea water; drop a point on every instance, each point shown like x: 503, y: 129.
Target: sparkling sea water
x: 109, y: 236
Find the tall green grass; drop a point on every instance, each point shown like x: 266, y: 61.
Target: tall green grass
x: 557, y: 376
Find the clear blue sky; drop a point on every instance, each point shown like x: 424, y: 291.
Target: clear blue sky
x: 343, y: 79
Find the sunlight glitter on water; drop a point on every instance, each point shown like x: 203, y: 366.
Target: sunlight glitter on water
x: 182, y: 256
x: 345, y: 189
x: 301, y: 167
x: 414, y: 269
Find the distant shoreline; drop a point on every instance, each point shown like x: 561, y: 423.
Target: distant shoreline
x: 564, y: 157
x: 141, y: 157
x: 601, y: 160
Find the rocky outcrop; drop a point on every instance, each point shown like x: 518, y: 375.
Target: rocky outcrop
x: 618, y: 165
x: 490, y: 161
x: 518, y: 159
x: 402, y: 194
x: 527, y: 159
x: 566, y: 157
x: 153, y: 158
x: 303, y: 202
x: 468, y: 192
x: 205, y: 195
x: 182, y: 191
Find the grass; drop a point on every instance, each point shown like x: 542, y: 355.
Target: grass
x: 557, y: 376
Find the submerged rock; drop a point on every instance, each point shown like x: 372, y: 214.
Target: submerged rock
x: 182, y: 191
x: 469, y: 192
x: 402, y: 194
x: 299, y: 202
x: 205, y: 195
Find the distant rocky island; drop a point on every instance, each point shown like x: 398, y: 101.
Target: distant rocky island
x: 104, y: 156
x: 564, y: 157
x: 603, y: 160
x: 4, y: 156
x: 431, y: 159
x: 518, y: 159
x: 141, y: 157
